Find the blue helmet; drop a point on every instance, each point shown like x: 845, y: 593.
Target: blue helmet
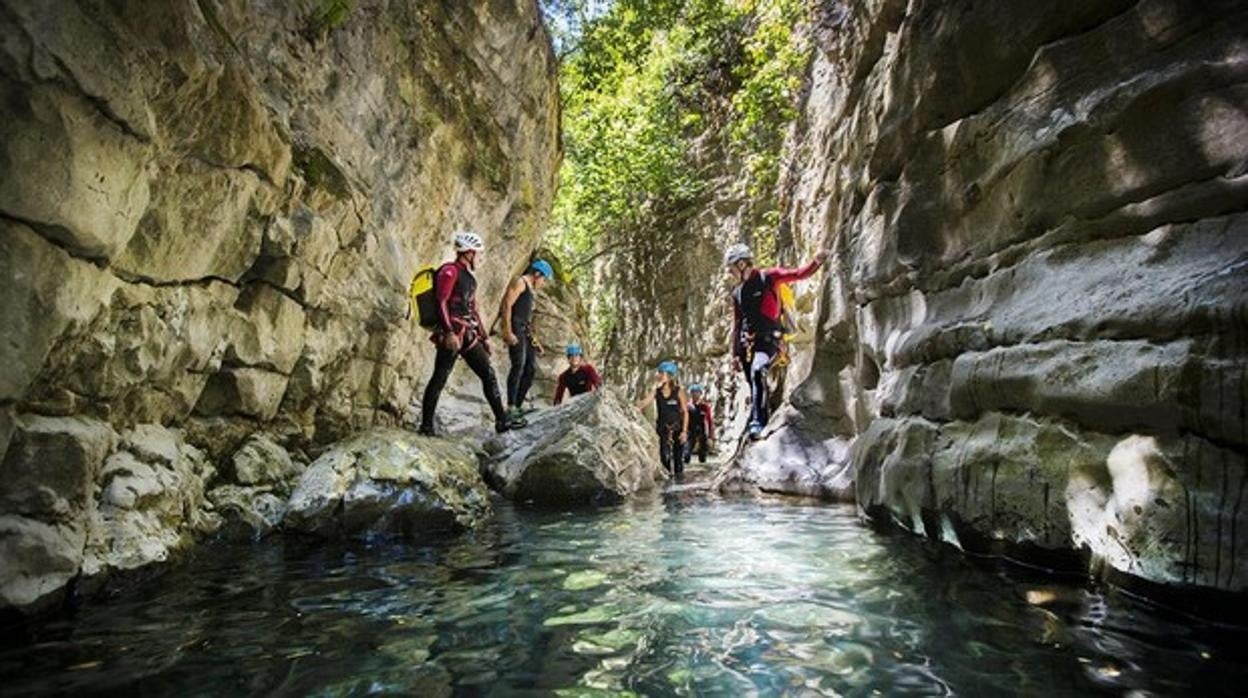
x: 696, y: 388
x: 668, y: 367
x: 542, y: 267
x: 573, y: 349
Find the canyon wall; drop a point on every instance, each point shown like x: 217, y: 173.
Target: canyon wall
x: 209, y: 214
x: 1034, y: 334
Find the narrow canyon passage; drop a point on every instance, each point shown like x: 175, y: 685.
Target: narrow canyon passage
x: 354, y: 346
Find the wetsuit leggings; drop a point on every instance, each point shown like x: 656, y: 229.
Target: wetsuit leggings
x: 696, y: 443
x: 671, y: 452
x: 760, y: 359
x: 478, y: 359
x: 520, y: 377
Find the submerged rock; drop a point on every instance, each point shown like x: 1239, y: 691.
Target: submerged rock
x: 592, y: 449
x: 389, y: 480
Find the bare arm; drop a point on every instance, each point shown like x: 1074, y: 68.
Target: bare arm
x: 514, y: 289
x: 684, y: 413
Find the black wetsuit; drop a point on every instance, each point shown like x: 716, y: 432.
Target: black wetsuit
x: 523, y: 357
x: 458, y: 314
x: 667, y: 423
x: 697, y: 441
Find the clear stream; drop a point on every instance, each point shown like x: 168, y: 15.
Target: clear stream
x: 673, y: 595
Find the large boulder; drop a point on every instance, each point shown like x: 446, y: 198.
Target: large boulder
x: 592, y: 449
x: 1041, y: 488
x: 258, y: 479
x: 389, y: 481
x: 793, y: 460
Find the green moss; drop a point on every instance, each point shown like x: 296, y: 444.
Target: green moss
x: 328, y: 15
x: 208, y: 9
x: 321, y: 172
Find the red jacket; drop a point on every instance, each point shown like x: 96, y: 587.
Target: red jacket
x: 770, y: 307
x: 584, y: 375
x: 708, y: 420
x: 455, y: 288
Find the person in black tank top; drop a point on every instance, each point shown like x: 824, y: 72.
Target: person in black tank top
x: 516, y: 312
x: 671, y: 418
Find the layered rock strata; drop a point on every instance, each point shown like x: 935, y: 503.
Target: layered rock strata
x: 209, y: 214
x: 1034, y: 335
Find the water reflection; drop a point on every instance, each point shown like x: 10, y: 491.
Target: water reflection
x: 654, y: 598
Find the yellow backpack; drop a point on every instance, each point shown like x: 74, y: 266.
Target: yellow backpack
x: 423, y: 301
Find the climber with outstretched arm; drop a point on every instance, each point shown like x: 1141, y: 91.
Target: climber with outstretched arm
x: 516, y: 312
x: 756, y: 327
x: 460, y: 332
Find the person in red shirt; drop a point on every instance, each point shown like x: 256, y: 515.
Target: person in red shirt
x: 701, y: 425
x: 460, y: 332
x: 580, y: 377
x: 756, y: 327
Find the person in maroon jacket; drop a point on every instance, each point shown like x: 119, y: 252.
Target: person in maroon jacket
x: 460, y: 332
x: 580, y: 377
x: 701, y: 425
x: 756, y: 327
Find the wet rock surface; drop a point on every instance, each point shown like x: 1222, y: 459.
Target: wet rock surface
x: 594, y: 449
x: 1033, y: 333
x: 209, y: 216
x: 389, y: 481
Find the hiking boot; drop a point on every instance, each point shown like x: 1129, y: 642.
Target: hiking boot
x: 517, y: 422
x: 755, y: 431
x: 426, y: 430
x: 502, y: 425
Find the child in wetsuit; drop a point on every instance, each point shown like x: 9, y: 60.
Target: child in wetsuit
x: 701, y: 425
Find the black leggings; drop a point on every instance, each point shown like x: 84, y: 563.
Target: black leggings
x: 520, y: 377
x: 697, y: 443
x: 478, y: 359
x: 671, y: 451
x: 757, y: 365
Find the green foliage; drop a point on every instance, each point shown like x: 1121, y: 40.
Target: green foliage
x: 659, y: 96
x: 770, y: 73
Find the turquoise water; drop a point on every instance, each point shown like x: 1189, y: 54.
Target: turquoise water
x: 692, y: 597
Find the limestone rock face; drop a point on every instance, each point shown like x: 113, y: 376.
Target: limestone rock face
x: 209, y: 216
x: 78, y: 499
x: 592, y: 449
x: 389, y: 481
x: 1032, y: 332
x: 151, y: 502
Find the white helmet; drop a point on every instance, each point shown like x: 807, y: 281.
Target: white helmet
x: 466, y: 240
x: 736, y: 253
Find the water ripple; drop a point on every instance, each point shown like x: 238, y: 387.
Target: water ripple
x: 652, y: 598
